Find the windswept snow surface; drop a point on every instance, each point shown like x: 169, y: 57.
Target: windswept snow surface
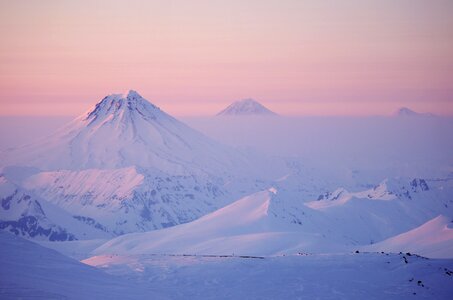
x: 345, y: 276
x: 29, y: 271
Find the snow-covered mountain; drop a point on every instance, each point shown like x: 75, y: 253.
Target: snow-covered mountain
x: 127, y: 166
x: 124, y: 130
x: 407, y: 112
x: 246, y: 107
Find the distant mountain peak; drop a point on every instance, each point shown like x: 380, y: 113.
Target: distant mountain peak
x: 246, y: 106
x: 407, y: 112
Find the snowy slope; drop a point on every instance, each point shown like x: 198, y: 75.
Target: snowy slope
x: 116, y: 184
x: 253, y: 225
x: 246, y: 107
x: 432, y: 239
x: 30, y: 271
x: 243, y: 227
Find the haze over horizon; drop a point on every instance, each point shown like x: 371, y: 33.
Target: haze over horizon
x: 297, y: 58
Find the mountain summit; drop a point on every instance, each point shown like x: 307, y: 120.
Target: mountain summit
x: 122, y: 106
x: 246, y: 107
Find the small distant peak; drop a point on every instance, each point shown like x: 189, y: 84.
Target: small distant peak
x: 247, y: 106
x: 407, y: 112
x: 404, y: 111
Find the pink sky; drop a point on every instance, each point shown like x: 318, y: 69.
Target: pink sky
x: 195, y: 57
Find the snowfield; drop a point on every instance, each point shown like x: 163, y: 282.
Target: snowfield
x: 344, y: 276
x: 30, y: 271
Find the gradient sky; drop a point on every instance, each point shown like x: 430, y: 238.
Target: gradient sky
x: 195, y: 57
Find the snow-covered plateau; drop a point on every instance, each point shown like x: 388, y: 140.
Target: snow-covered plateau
x: 234, y: 208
